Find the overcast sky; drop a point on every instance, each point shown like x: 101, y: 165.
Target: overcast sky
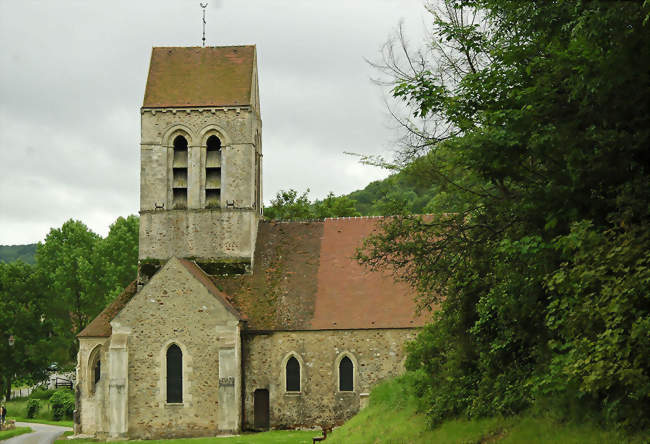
x: 72, y: 78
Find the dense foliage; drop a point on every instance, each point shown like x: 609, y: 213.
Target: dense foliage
x: 22, y: 303
x: 62, y: 403
x: 33, y: 407
x: 288, y: 205
x: 43, y: 306
x: 399, y: 193
x: 538, y: 132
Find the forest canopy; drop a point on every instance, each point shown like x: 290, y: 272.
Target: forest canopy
x: 43, y: 306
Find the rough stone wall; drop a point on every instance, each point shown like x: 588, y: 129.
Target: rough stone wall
x: 236, y: 127
x: 239, y: 130
x: 377, y: 354
x: 175, y: 308
x: 92, y: 400
x: 201, y: 234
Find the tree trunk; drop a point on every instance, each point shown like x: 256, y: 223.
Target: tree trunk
x: 8, y: 381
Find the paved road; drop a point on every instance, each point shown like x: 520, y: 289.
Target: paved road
x: 42, y: 434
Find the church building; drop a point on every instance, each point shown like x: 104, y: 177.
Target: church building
x: 233, y: 322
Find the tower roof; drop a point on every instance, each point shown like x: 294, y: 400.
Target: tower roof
x: 195, y: 76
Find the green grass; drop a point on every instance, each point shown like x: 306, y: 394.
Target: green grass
x: 542, y: 430
x: 63, y: 423
x: 273, y: 437
x: 15, y: 432
x: 17, y: 410
x: 392, y: 417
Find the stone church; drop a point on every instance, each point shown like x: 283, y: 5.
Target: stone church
x: 233, y: 323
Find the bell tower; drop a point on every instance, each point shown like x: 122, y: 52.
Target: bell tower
x: 201, y: 159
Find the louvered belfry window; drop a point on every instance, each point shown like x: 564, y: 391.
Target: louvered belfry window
x: 179, y: 173
x: 293, y: 375
x: 213, y: 173
x: 174, y: 374
x: 346, y: 375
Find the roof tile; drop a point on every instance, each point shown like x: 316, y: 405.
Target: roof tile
x: 304, y: 277
x: 101, y: 325
x: 195, y: 76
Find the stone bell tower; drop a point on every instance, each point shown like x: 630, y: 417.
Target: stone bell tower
x: 201, y: 159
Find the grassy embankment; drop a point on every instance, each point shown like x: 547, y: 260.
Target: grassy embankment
x: 392, y: 417
x: 17, y: 410
x: 6, y: 434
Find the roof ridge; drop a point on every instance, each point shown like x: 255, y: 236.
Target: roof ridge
x: 204, y: 278
x: 325, y: 219
x: 375, y: 217
x: 100, y: 326
x: 208, y: 47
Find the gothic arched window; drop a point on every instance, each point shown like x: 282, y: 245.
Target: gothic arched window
x: 293, y: 375
x: 346, y: 375
x: 94, y: 368
x: 179, y: 173
x: 174, y: 374
x: 97, y: 371
x: 213, y: 172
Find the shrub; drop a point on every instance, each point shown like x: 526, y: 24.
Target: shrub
x: 62, y: 402
x: 41, y: 392
x: 33, y: 407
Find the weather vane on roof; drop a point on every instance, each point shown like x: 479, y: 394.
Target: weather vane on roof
x: 203, y: 5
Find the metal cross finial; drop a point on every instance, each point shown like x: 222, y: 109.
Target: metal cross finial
x: 203, y: 5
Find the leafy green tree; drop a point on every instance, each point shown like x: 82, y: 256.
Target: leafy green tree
x: 287, y: 205
x: 44, y: 306
x: 333, y: 206
x: 22, y: 316
x: 68, y: 260
x: 539, y: 141
x: 118, y: 254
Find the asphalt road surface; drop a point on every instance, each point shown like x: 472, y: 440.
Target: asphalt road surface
x: 42, y: 434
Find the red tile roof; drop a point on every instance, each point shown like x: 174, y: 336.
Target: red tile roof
x: 195, y: 76
x: 351, y: 296
x: 304, y: 277
x: 100, y: 326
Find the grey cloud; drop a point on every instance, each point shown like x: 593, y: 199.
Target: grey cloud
x: 72, y: 82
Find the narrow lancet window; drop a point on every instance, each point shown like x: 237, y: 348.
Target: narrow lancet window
x: 293, y: 375
x: 179, y: 173
x: 174, y: 374
x: 213, y: 173
x: 346, y: 375
x: 94, y: 369
x: 98, y: 371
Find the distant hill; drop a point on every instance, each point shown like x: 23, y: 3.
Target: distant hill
x: 380, y: 197
x: 11, y: 253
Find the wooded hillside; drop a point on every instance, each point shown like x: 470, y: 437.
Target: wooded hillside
x: 11, y: 253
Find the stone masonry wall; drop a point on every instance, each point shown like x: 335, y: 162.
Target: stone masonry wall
x: 377, y: 354
x: 236, y: 128
x: 205, y: 234
x: 92, y: 399
x: 239, y: 130
x: 175, y: 308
